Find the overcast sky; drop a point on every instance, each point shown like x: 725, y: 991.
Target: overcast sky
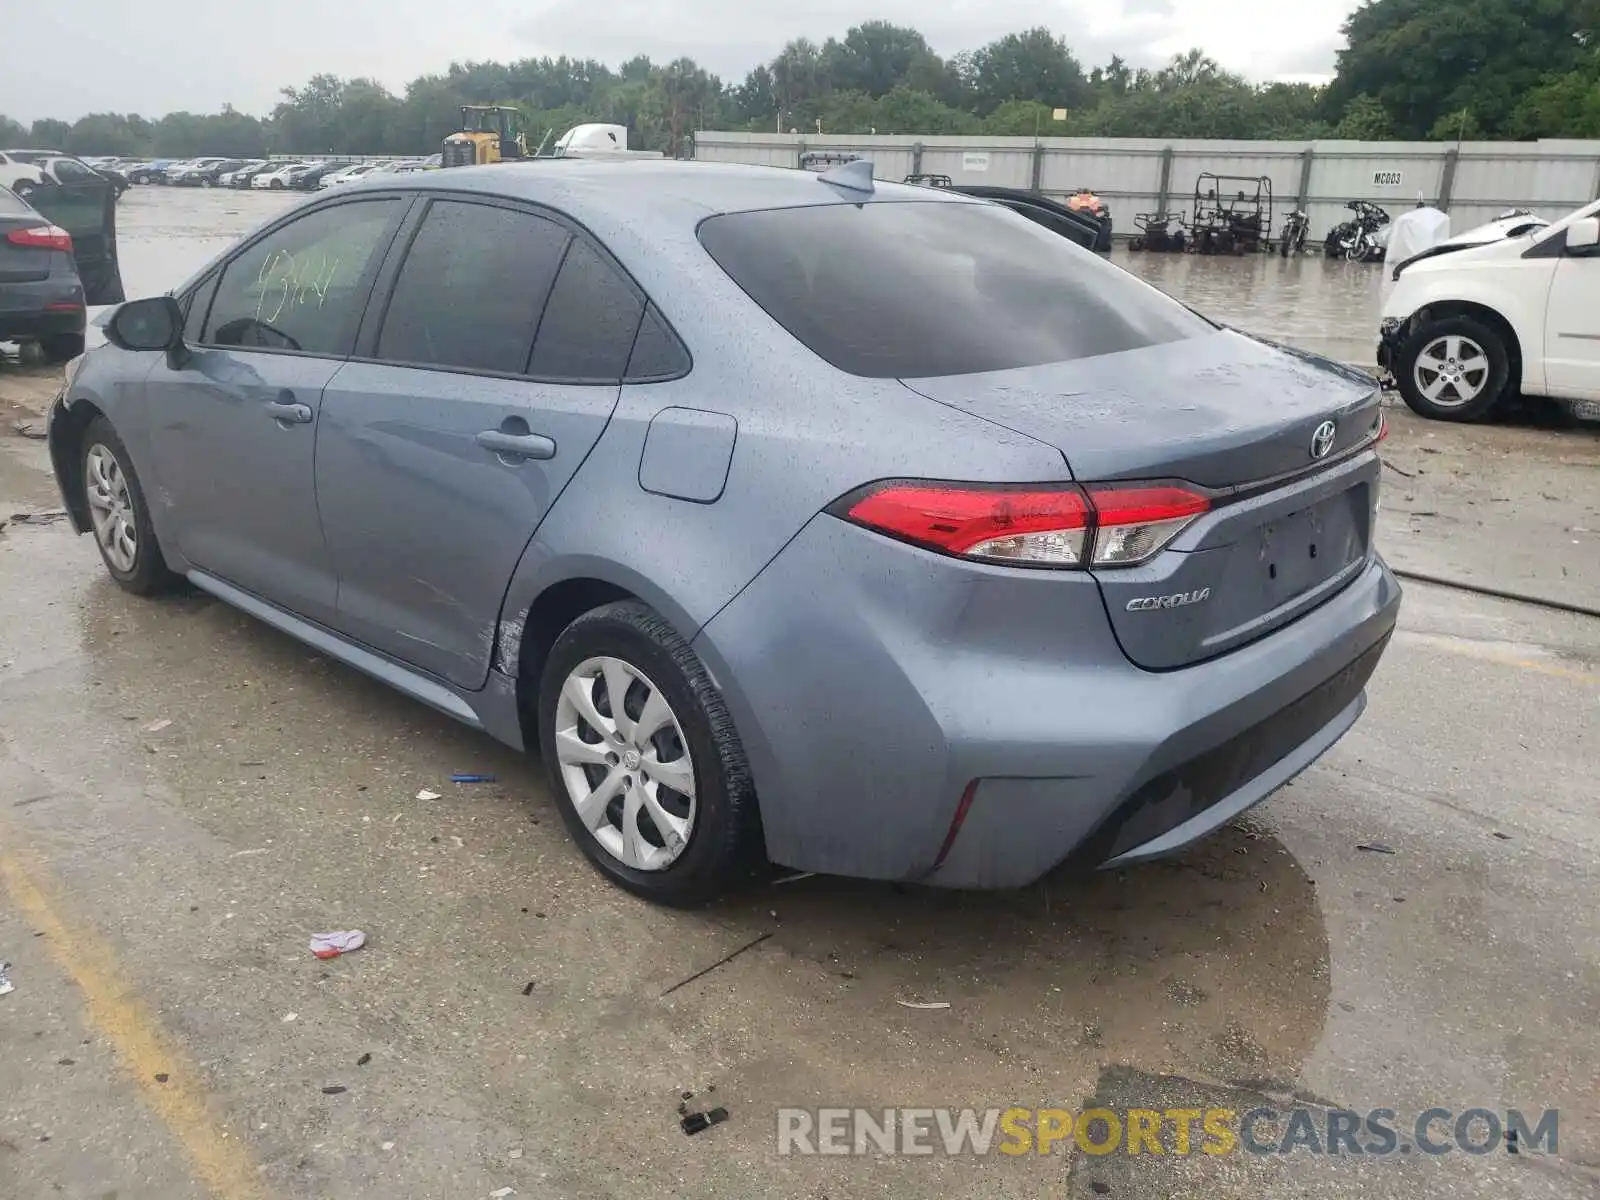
x: 70, y: 57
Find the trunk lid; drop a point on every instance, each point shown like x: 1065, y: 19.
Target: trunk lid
x: 88, y: 211
x: 1236, y: 416
x: 22, y: 264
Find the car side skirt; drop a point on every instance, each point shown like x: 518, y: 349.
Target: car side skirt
x: 419, y: 687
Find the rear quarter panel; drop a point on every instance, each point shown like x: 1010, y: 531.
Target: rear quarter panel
x: 804, y: 437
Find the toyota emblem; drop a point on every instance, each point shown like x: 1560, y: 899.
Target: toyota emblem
x: 1322, y: 439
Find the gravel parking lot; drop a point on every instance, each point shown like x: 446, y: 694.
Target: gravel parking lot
x: 186, y: 795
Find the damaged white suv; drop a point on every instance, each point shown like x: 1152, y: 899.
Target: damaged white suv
x: 1468, y: 324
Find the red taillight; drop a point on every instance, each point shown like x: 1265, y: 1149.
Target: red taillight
x: 42, y: 237
x: 1107, y: 525
x: 1045, y: 526
x: 1134, y: 521
x: 962, y: 809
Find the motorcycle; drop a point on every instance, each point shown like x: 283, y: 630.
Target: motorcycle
x: 1360, y: 240
x: 1293, y: 238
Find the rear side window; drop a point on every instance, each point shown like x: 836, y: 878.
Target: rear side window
x: 657, y: 353
x: 589, y: 324
x: 303, y: 286
x: 925, y: 288
x: 472, y: 288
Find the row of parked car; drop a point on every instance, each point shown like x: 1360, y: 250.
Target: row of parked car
x: 301, y: 174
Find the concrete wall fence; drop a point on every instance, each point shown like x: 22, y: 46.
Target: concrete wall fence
x: 1474, y: 182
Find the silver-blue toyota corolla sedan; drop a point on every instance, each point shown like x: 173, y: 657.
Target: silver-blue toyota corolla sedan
x: 860, y: 529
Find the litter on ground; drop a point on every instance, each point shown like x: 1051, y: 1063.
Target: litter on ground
x: 332, y: 945
x: 695, y: 1122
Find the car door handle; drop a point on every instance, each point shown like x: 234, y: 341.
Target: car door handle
x: 288, y: 412
x: 517, y: 445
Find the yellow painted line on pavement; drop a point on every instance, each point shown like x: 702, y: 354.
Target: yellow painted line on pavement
x: 222, y: 1163
x: 1490, y: 654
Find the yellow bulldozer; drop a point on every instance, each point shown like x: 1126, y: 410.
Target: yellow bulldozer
x: 488, y: 134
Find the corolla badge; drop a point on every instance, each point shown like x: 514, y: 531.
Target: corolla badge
x: 1176, y: 600
x: 1322, y: 439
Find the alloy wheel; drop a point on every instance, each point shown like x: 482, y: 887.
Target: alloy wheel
x: 1451, y: 371
x: 111, y: 508
x: 625, y: 763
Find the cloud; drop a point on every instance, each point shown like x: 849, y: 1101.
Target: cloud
x: 1159, y: 8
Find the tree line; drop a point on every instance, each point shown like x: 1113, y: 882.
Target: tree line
x: 1411, y: 69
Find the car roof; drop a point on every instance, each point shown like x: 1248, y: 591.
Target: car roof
x: 650, y: 190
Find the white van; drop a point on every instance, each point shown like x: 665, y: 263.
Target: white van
x: 1467, y: 324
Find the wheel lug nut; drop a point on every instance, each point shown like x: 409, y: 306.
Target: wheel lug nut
x: 612, y: 759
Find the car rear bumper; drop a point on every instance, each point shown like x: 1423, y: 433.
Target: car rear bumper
x: 48, y: 308
x: 876, y: 685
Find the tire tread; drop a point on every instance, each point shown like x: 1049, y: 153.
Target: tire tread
x: 150, y: 575
x: 737, y: 851
x: 1499, y: 369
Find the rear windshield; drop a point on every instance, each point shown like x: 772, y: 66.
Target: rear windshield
x: 918, y: 289
x: 11, y: 205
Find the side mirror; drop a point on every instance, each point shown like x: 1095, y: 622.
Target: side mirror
x: 153, y: 324
x: 1583, y: 236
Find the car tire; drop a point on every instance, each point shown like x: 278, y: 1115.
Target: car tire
x: 61, y: 347
x: 114, y: 495
x: 711, y: 842
x: 1456, y: 344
